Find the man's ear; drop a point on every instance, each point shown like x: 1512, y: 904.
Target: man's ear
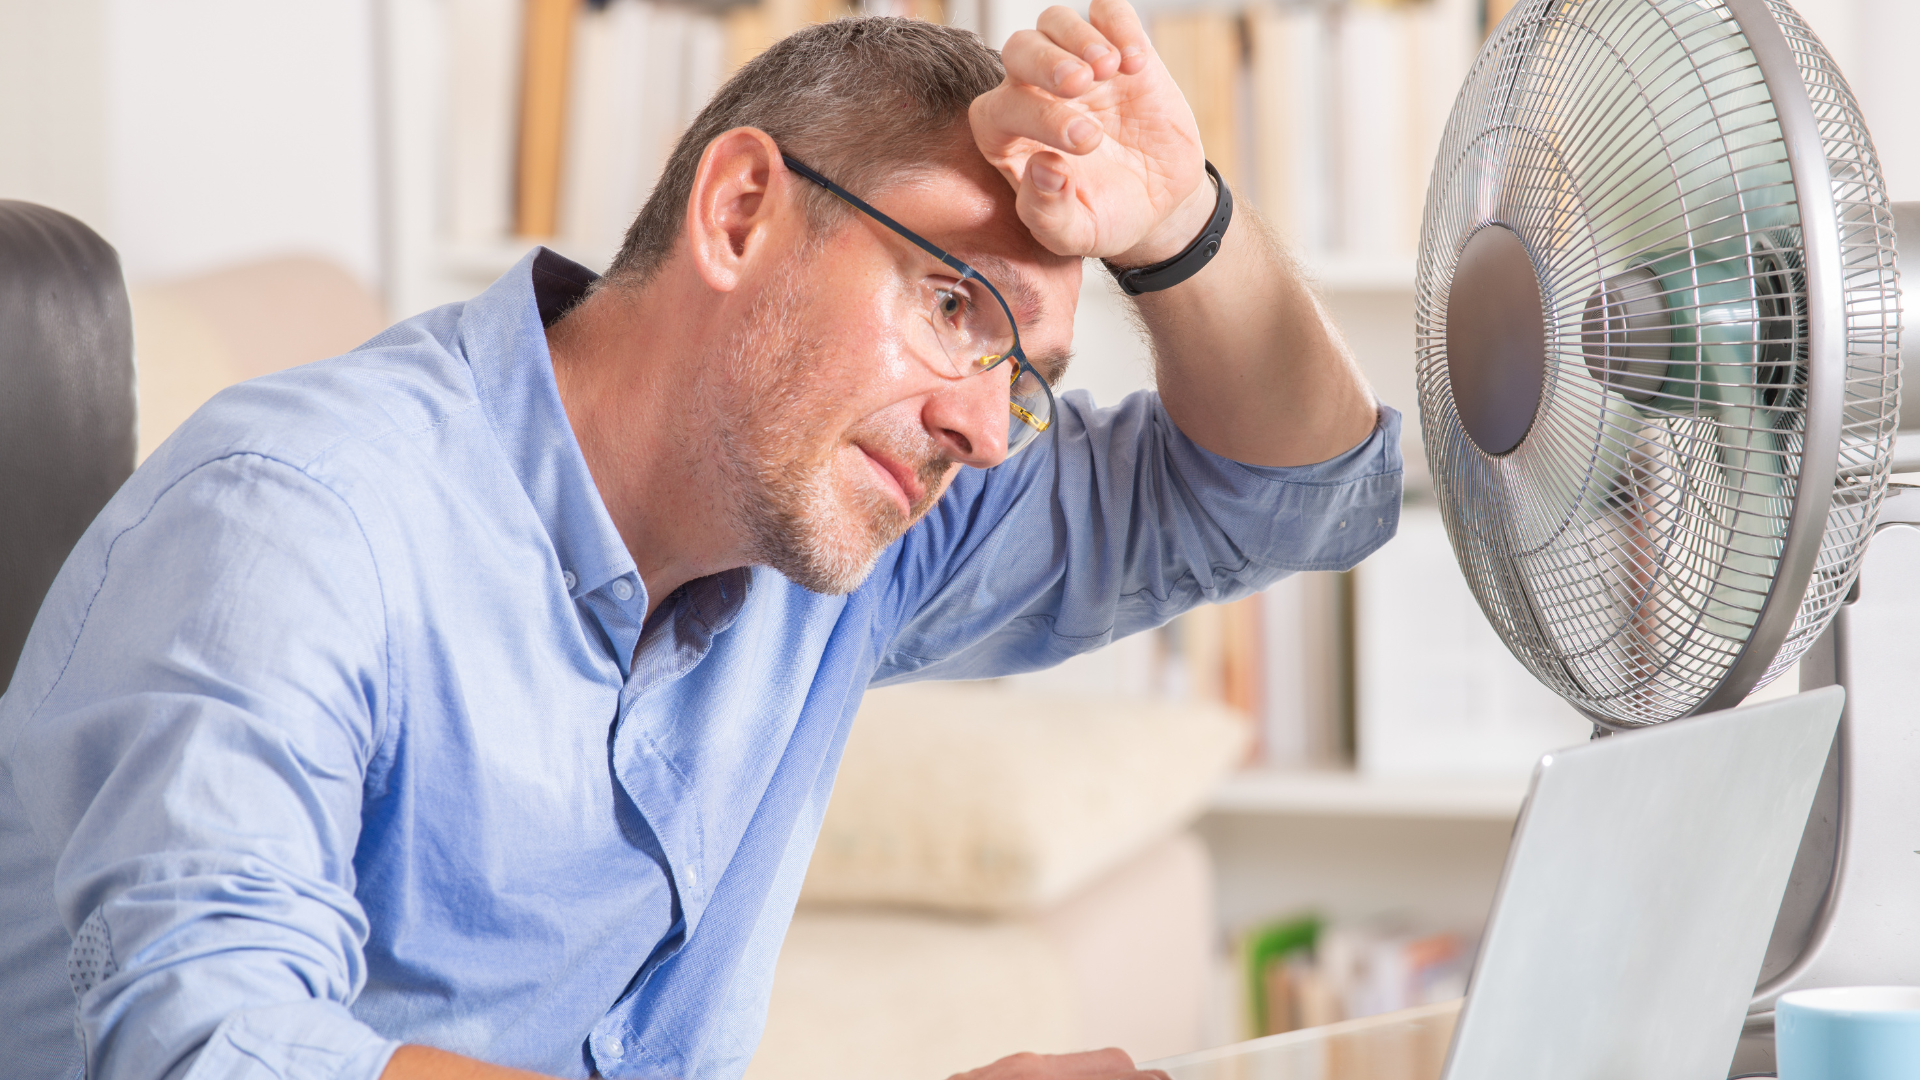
x: 737, y: 202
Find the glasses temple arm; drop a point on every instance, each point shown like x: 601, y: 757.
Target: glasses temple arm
x: 861, y: 205
x: 958, y: 267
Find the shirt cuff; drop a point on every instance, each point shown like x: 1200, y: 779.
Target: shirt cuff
x: 1376, y: 455
x: 1326, y: 516
x: 303, y: 1040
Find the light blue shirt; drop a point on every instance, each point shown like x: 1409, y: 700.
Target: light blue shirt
x: 333, y: 733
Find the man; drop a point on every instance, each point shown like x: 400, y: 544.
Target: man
x: 475, y: 697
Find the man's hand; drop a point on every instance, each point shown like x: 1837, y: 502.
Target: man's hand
x: 425, y: 1063
x: 1092, y: 133
x: 1090, y: 1065
x: 1101, y: 147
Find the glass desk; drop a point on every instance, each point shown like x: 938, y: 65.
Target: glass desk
x: 1409, y: 1045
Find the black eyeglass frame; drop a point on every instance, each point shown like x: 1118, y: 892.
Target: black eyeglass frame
x: 966, y: 273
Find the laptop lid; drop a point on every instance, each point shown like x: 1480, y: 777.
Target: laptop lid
x: 1639, y: 893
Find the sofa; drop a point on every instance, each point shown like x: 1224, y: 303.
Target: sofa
x: 1002, y: 871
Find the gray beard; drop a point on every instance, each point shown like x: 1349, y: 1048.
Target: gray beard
x: 775, y: 456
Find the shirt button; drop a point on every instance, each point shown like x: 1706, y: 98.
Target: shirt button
x: 623, y: 589
x: 567, y: 577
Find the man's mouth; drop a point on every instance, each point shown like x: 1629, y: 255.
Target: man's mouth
x: 898, y: 478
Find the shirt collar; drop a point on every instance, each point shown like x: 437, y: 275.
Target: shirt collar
x: 503, y: 336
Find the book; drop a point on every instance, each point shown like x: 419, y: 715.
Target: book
x: 1445, y: 45
x: 1303, y: 705
x: 1288, y: 51
x: 641, y: 72
x: 483, y: 84
x: 1492, y: 11
x: 1303, y: 971
x: 546, y: 44
x: 602, y: 97
x: 1202, y: 51
x: 1438, y: 694
x: 751, y: 28
x: 1242, y: 670
x: 1376, y: 210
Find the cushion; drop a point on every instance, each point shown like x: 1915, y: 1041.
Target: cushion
x: 197, y: 336
x: 980, y: 800
x: 889, y: 994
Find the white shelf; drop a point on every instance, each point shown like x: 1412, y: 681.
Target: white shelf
x: 1345, y: 794
x: 1906, y: 451
x: 484, y: 262
x: 1360, y: 273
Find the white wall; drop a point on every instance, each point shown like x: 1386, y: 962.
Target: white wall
x: 241, y: 128
x: 1875, y: 42
x: 53, y: 105
x: 196, y: 133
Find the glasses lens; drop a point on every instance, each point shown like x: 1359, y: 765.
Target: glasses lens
x: 1031, y: 402
x: 964, y: 329
x: 969, y: 329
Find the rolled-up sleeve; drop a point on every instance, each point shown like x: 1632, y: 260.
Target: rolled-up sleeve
x: 1113, y: 525
x: 198, y: 763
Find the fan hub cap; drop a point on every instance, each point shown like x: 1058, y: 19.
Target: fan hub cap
x: 1496, y: 339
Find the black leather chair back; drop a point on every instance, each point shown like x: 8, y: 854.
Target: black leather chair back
x: 66, y: 401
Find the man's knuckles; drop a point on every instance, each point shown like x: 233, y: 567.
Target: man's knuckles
x: 1032, y: 57
x: 1065, y: 28
x: 1019, y: 111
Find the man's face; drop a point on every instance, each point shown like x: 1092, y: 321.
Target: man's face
x: 837, y: 433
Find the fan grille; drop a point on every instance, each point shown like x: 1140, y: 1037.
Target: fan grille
x: 1625, y: 549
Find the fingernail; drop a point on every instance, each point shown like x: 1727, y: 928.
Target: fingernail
x: 1064, y: 70
x: 1080, y: 131
x: 1130, y: 52
x: 1094, y: 52
x: 1046, y: 179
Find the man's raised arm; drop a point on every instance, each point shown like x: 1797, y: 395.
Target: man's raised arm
x: 1091, y: 131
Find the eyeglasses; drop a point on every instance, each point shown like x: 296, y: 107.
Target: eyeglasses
x: 954, y: 327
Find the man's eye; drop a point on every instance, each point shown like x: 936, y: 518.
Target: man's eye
x: 951, y: 305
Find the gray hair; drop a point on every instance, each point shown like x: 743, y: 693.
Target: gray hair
x: 861, y: 100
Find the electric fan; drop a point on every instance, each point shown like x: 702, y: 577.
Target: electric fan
x: 1657, y: 357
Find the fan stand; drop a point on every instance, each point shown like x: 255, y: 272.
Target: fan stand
x: 1851, y: 916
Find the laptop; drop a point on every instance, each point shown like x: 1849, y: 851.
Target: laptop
x: 1639, y: 895
x: 1638, y: 898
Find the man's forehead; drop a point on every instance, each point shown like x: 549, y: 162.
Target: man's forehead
x: 966, y: 206
x: 978, y: 220
x: 963, y: 205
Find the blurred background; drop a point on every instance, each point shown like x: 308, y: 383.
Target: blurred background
x: 1265, y: 815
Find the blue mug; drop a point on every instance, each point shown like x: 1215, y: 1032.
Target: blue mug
x: 1848, y: 1033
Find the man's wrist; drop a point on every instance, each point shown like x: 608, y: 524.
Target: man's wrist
x: 1173, y: 234
x: 1189, y: 260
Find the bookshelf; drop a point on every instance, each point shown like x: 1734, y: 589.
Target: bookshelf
x: 1344, y: 794
x: 1333, y: 153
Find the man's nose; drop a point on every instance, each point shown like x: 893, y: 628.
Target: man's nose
x: 968, y: 418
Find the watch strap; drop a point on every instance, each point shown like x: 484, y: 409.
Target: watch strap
x: 1170, y: 272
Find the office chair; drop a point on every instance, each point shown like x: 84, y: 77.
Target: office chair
x: 66, y: 401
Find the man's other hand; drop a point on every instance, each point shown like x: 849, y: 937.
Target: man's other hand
x: 425, y: 1063
x: 1090, y: 130
x: 1107, y: 1064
